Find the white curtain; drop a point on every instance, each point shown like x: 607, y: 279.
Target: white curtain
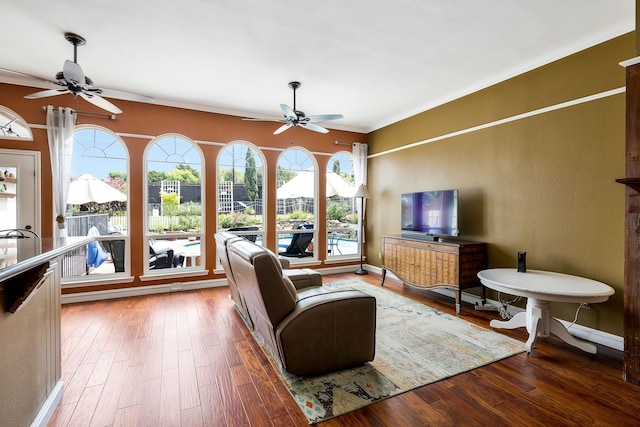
x: 60, y: 128
x: 360, y: 152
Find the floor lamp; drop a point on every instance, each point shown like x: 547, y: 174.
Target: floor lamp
x: 362, y: 193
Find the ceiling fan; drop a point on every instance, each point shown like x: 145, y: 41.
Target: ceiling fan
x: 72, y: 80
x: 294, y: 117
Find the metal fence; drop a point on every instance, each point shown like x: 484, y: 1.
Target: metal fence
x: 78, y: 225
x: 74, y: 263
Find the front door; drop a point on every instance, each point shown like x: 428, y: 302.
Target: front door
x: 19, y: 189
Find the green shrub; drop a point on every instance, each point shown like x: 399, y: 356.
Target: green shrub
x: 186, y: 223
x: 352, y: 218
x: 236, y: 219
x: 300, y: 215
x: 337, y: 211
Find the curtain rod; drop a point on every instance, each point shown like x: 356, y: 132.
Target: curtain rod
x: 343, y: 143
x: 83, y: 113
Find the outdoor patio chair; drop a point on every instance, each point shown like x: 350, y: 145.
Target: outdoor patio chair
x: 299, y: 243
x: 164, y: 258
x: 161, y: 258
x: 250, y: 237
x: 116, y: 248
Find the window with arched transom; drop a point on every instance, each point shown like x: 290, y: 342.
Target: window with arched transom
x: 342, y: 213
x: 296, y: 193
x: 97, y: 204
x: 174, y: 204
x: 241, y: 189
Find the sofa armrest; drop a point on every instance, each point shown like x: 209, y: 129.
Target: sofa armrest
x: 284, y: 262
x: 303, y: 278
x: 327, y: 332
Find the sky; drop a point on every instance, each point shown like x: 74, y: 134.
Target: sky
x: 98, y: 152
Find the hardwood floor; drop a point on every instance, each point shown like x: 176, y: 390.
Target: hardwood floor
x: 186, y: 359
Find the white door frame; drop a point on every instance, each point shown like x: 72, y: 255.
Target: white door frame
x: 37, y: 209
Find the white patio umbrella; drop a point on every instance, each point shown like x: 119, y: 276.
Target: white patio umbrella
x: 302, y: 185
x: 338, y: 186
x: 87, y: 188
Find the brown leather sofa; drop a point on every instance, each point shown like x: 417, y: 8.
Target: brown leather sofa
x: 307, y: 330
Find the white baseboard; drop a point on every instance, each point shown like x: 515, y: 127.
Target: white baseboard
x: 141, y: 290
x: 589, y: 334
x: 49, y: 407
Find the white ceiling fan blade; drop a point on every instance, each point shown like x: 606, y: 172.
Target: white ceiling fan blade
x: 282, y: 128
x: 314, y: 128
x: 324, y: 118
x: 288, y: 112
x: 253, y: 119
x: 45, y: 93
x: 119, y: 94
x: 73, y: 73
x: 99, y: 101
x: 29, y: 75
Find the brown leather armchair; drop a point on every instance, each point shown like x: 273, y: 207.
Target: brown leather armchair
x: 302, y: 278
x: 307, y: 331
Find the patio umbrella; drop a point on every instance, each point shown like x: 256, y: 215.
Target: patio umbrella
x: 302, y: 185
x: 338, y: 186
x: 87, y: 188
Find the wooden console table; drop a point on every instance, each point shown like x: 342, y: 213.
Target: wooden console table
x: 434, y: 264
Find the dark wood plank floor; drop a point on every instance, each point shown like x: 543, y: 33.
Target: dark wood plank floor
x: 186, y: 359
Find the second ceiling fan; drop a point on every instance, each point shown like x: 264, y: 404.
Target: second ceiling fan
x: 294, y: 117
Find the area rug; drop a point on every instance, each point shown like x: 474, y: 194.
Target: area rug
x: 415, y: 345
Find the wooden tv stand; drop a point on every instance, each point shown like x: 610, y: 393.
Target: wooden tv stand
x: 434, y: 264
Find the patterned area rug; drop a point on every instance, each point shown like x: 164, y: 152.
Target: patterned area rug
x: 415, y: 345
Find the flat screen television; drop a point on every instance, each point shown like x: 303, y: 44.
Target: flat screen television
x: 430, y: 213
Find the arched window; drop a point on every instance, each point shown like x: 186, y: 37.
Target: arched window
x: 174, y: 219
x: 296, y: 203
x: 342, y: 214
x: 97, y: 203
x: 241, y: 191
x: 12, y: 126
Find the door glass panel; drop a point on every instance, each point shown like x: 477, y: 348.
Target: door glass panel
x: 19, y: 190
x: 8, y: 202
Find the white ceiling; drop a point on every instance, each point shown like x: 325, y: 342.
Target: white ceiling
x: 373, y: 61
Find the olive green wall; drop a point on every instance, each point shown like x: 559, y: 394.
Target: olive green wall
x: 544, y: 184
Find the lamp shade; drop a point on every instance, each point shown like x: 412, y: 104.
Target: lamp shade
x: 362, y: 192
